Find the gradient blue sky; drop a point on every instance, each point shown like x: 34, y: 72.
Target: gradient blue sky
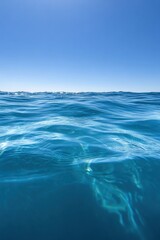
x: 80, y: 45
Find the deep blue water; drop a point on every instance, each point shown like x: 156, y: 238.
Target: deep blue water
x: 79, y: 166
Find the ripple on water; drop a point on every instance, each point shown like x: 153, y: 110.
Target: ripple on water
x: 110, y: 140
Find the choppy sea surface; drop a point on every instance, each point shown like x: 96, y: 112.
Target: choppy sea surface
x: 79, y: 166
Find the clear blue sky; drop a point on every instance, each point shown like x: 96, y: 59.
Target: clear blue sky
x: 80, y: 45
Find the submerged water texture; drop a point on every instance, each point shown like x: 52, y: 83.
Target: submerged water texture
x: 79, y: 166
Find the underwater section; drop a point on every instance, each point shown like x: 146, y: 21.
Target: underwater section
x: 94, y: 157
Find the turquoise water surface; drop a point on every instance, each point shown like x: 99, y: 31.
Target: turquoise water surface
x: 79, y: 166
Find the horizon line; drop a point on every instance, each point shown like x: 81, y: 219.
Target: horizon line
x: 23, y: 91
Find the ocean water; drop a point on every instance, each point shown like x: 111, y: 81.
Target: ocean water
x: 79, y: 166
